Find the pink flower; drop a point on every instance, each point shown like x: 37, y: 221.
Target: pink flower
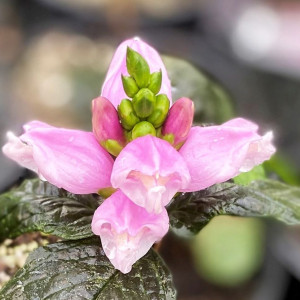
x: 112, y: 87
x: 217, y: 153
x: 69, y: 159
x: 127, y: 231
x: 150, y: 172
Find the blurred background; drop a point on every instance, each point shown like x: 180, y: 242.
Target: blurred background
x: 246, y: 55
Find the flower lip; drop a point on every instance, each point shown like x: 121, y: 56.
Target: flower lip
x: 126, y: 230
x: 19, y: 151
x: 150, y: 172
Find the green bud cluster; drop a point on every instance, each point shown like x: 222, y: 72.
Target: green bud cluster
x: 147, y: 110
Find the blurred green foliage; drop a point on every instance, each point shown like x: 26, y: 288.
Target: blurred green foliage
x: 283, y: 168
x: 229, y: 250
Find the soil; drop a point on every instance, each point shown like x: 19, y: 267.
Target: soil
x: 14, y: 252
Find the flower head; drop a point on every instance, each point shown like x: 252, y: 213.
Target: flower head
x: 157, y: 153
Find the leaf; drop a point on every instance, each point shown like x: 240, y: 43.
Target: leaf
x: 212, y: 102
x: 40, y: 206
x: 284, y: 168
x: 80, y: 270
x: 190, y: 212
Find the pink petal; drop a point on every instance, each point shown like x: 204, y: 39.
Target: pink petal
x: 150, y: 172
x: 217, y: 153
x: 179, y: 120
x: 127, y: 231
x: 69, y: 159
x: 20, y: 152
x: 112, y: 87
x: 106, y: 124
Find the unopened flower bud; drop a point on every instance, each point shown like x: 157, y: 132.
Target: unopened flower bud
x: 127, y: 115
x: 106, y: 192
x: 130, y: 86
x: 137, y: 67
x: 144, y: 103
x: 155, y: 82
x: 179, y: 121
x: 106, y: 125
x: 143, y: 128
x: 160, y: 112
x: 128, y: 135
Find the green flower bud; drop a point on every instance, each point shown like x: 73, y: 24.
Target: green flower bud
x: 143, y: 128
x: 155, y: 82
x: 128, y: 135
x: 178, y: 146
x: 112, y: 146
x: 161, y: 110
x: 130, y: 86
x: 127, y: 115
x: 144, y: 103
x: 106, y: 192
x: 169, y: 138
x: 137, y: 67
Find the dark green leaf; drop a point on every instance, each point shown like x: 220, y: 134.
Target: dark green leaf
x: 80, y: 270
x: 212, y: 102
x: 40, y: 206
x: 190, y: 212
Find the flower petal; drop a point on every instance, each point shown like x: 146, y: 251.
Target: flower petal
x: 69, y: 159
x: 217, y: 153
x: 126, y: 230
x: 112, y: 87
x: 22, y: 153
x: 150, y: 172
